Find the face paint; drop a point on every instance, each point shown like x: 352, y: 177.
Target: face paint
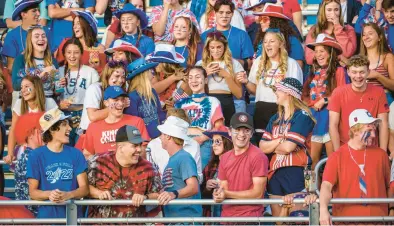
x: 29, y: 89
x: 365, y: 137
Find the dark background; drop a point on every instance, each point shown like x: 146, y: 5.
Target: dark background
x: 2, y: 2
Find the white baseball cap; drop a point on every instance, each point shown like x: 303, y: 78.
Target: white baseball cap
x: 361, y: 116
x: 175, y: 127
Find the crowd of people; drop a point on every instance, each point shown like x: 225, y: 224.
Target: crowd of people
x: 157, y: 108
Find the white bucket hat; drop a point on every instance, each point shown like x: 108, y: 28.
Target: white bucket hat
x: 175, y: 127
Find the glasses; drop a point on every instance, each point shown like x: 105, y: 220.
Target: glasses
x: 247, y: 132
x: 217, y: 142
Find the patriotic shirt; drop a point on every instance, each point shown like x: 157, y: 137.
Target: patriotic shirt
x: 106, y: 174
x: 297, y: 130
x: 204, y: 114
x: 155, y: 17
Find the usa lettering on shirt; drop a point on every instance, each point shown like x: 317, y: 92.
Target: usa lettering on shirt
x: 59, y: 171
x: 108, y: 136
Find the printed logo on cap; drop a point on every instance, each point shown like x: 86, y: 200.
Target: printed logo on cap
x: 355, y: 119
x: 369, y: 114
x: 117, y: 89
x: 136, y: 132
x: 48, y: 117
x: 243, y: 118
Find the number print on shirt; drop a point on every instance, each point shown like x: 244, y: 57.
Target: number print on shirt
x: 59, y: 174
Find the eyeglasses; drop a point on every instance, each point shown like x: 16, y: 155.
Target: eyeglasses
x: 247, y: 132
x: 217, y: 142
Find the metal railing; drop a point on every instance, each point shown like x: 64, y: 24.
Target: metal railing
x: 72, y: 218
x: 317, y: 174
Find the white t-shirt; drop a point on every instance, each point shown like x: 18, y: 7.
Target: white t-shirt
x: 77, y: 86
x: 160, y: 156
x: 93, y: 98
x: 263, y: 91
x: 237, y: 21
x: 49, y: 104
x: 216, y: 82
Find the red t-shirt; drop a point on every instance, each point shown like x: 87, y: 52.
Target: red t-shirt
x: 239, y: 171
x: 343, y: 173
x: 290, y: 7
x: 100, y: 136
x: 344, y: 101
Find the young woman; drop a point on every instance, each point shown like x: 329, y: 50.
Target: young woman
x: 144, y: 101
x: 267, y: 70
x: 30, y: 138
x: 132, y: 21
x: 162, y: 18
x: 79, y: 77
x: 85, y: 30
x: 272, y: 17
x: 187, y: 39
x: 205, y: 112
x: 170, y: 80
x: 208, y: 19
x: 326, y: 75
x: 32, y: 100
x: 114, y: 74
x: 36, y: 61
x: 285, y: 137
x: 222, y: 70
x: 374, y: 46
x: 109, y: 6
x: 123, y: 51
x: 330, y: 21
x: 221, y: 143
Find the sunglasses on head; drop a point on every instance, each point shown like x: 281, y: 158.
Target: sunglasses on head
x: 217, y: 35
x: 115, y: 64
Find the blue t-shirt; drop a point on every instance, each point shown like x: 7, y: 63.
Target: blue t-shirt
x: 296, y: 49
x: 184, y: 51
x: 56, y: 171
x: 238, y: 40
x: 15, y: 42
x: 181, y: 166
x: 61, y: 28
x: 151, y: 113
x: 146, y: 45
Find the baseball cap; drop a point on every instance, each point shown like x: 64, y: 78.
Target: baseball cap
x: 114, y: 92
x: 241, y: 119
x: 129, y: 134
x: 361, y: 116
x: 51, y: 117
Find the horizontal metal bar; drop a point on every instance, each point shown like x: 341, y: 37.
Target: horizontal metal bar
x: 362, y: 219
x: 33, y: 221
x: 3, y: 163
x: 30, y: 202
x: 191, y: 219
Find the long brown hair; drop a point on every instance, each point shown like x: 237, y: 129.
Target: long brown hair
x: 333, y: 64
x: 322, y: 23
x: 214, y: 161
x: 110, y: 68
x: 88, y: 35
x: 383, y: 47
x: 139, y: 30
x: 193, y: 42
x: 226, y: 57
x: 39, y: 94
x: 71, y: 41
x: 29, y: 51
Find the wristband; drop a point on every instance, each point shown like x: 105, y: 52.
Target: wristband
x: 325, y: 100
x: 175, y: 193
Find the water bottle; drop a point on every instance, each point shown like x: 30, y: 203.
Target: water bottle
x: 58, y: 88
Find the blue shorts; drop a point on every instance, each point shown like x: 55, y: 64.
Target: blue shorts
x: 287, y: 180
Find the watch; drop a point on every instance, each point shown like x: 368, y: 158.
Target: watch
x: 325, y: 100
x: 175, y: 193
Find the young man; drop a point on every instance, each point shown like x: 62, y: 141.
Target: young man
x: 356, y: 170
x: 101, y: 135
x: 15, y: 42
x: 9, y: 7
x: 243, y: 171
x: 357, y: 95
x: 238, y: 40
x: 56, y: 171
x: 132, y: 177
x: 180, y: 176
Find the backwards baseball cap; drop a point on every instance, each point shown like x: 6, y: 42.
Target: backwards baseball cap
x: 361, y: 116
x: 114, y: 92
x: 241, y: 119
x: 50, y: 118
x: 129, y: 134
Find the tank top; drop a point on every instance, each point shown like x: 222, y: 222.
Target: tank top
x: 383, y: 71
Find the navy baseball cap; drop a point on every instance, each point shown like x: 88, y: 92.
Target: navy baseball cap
x: 129, y: 134
x: 114, y: 92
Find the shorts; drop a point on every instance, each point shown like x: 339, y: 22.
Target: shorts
x: 287, y: 180
x: 321, y: 139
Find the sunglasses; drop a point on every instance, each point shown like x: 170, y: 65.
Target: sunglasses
x: 115, y: 64
x: 217, y: 35
x: 217, y: 142
x: 263, y: 19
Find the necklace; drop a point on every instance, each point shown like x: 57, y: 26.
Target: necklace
x: 20, y: 33
x: 361, y: 98
x: 365, y: 154
x: 377, y: 65
x: 282, y: 129
x: 198, y: 95
x: 68, y: 74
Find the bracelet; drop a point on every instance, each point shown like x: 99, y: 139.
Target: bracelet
x: 325, y: 100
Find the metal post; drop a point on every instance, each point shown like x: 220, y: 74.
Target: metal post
x: 314, y: 214
x: 71, y: 213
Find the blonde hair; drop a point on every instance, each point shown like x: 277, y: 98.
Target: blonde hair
x: 142, y: 84
x: 226, y: 57
x: 29, y: 51
x: 39, y: 97
x: 354, y: 129
x: 265, y: 63
x: 104, y: 77
x: 322, y: 23
x: 294, y: 104
x: 168, y: 69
